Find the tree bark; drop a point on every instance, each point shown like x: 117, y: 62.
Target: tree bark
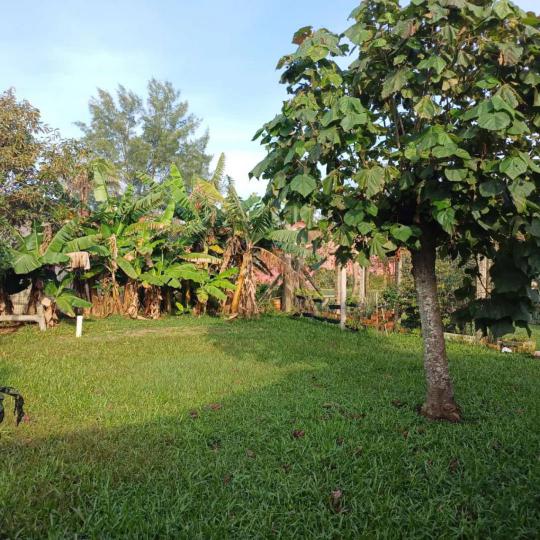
x: 337, y: 290
x: 342, y: 296
x: 287, y: 290
x: 239, y: 285
x: 483, y: 286
x: 244, y: 300
x: 398, y: 268
x: 131, y: 299
x: 355, y: 293
x: 152, y: 302
x: 362, y: 284
x: 440, y: 403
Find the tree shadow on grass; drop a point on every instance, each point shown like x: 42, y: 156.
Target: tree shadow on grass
x: 320, y: 451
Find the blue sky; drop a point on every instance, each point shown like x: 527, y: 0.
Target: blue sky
x: 220, y: 54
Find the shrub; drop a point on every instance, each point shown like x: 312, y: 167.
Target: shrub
x: 450, y: 277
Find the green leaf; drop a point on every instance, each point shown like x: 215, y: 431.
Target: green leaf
x: 433, y: 62
x: 456, y: 175
x: 371, y: 180
x: 329, y: 135
x: 502, y: 9
x: 401, y: 232
x: 80, y: 303
x: 446, y: 217
x: 534, y: 228
x: 508, y: 94
x: 228, y: 273
x: 67, y: 301
x: 61, y: 237
x: 509, y: 54
x: 100, y: 186
x: 518, y: 128
x: 354, y: 217
x: 444, y: 151
x: 427, y: 108
x: 358, y: 33
x: 499, y: 104
x: 223, y: 284
x: 54, y: 258
x: 352, y: 120
x: 330, y: 116
x: 488, y: 83
x: 24, y: 263
x: 202, y: 295
x: 350, y: 105
x: 82, y: 243
x: 494, y: 121
x: 491, y: 188
x: 434, y: 136
x: 394, y: 82
x: 188, y: 272
x: 513, y: 167
x: 215, y: 292
x: 379, y: 246
x: 303, y: 184
x: 520, y: 190
x: 127, y: 268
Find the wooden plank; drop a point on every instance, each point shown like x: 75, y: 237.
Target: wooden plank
x: 25, y: 318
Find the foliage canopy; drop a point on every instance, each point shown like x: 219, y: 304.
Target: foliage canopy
x: 431, y: 131
x: 139, y: 137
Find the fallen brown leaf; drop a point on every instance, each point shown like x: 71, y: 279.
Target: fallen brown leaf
x: 454, y: 465
x: 215, y: 406
x: 336, y: 503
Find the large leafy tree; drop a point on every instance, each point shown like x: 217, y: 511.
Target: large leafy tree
x: 428, y: 140
x: 146, y: 136
x: 24, y: 192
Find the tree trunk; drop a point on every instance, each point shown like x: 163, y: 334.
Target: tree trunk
x: 440, y: 403
x: 152, y: 302
x: 287, y: 290
x: 355, y: 293
x: 168, y: 297
x: 482, y: 281
x: 131, y: 299
x: 398, y: 270
x: 362, y: 285
x: 239, y: 285
x: 342, y: 296
x: 248, y: 296
x: 337, y: 290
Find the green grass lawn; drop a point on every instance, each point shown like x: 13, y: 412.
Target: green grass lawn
x: 199, y: 428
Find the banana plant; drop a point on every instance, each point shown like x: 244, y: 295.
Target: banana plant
x: 125, y: 231
x: 214, y: 286
x: 39, y: 248
x: 63, y: 297
x: 163, y: 274
x: 252, y: 226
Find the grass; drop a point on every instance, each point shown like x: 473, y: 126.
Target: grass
x: 276, y: 428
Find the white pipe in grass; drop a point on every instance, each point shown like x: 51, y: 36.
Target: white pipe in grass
x: 78, y: 328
